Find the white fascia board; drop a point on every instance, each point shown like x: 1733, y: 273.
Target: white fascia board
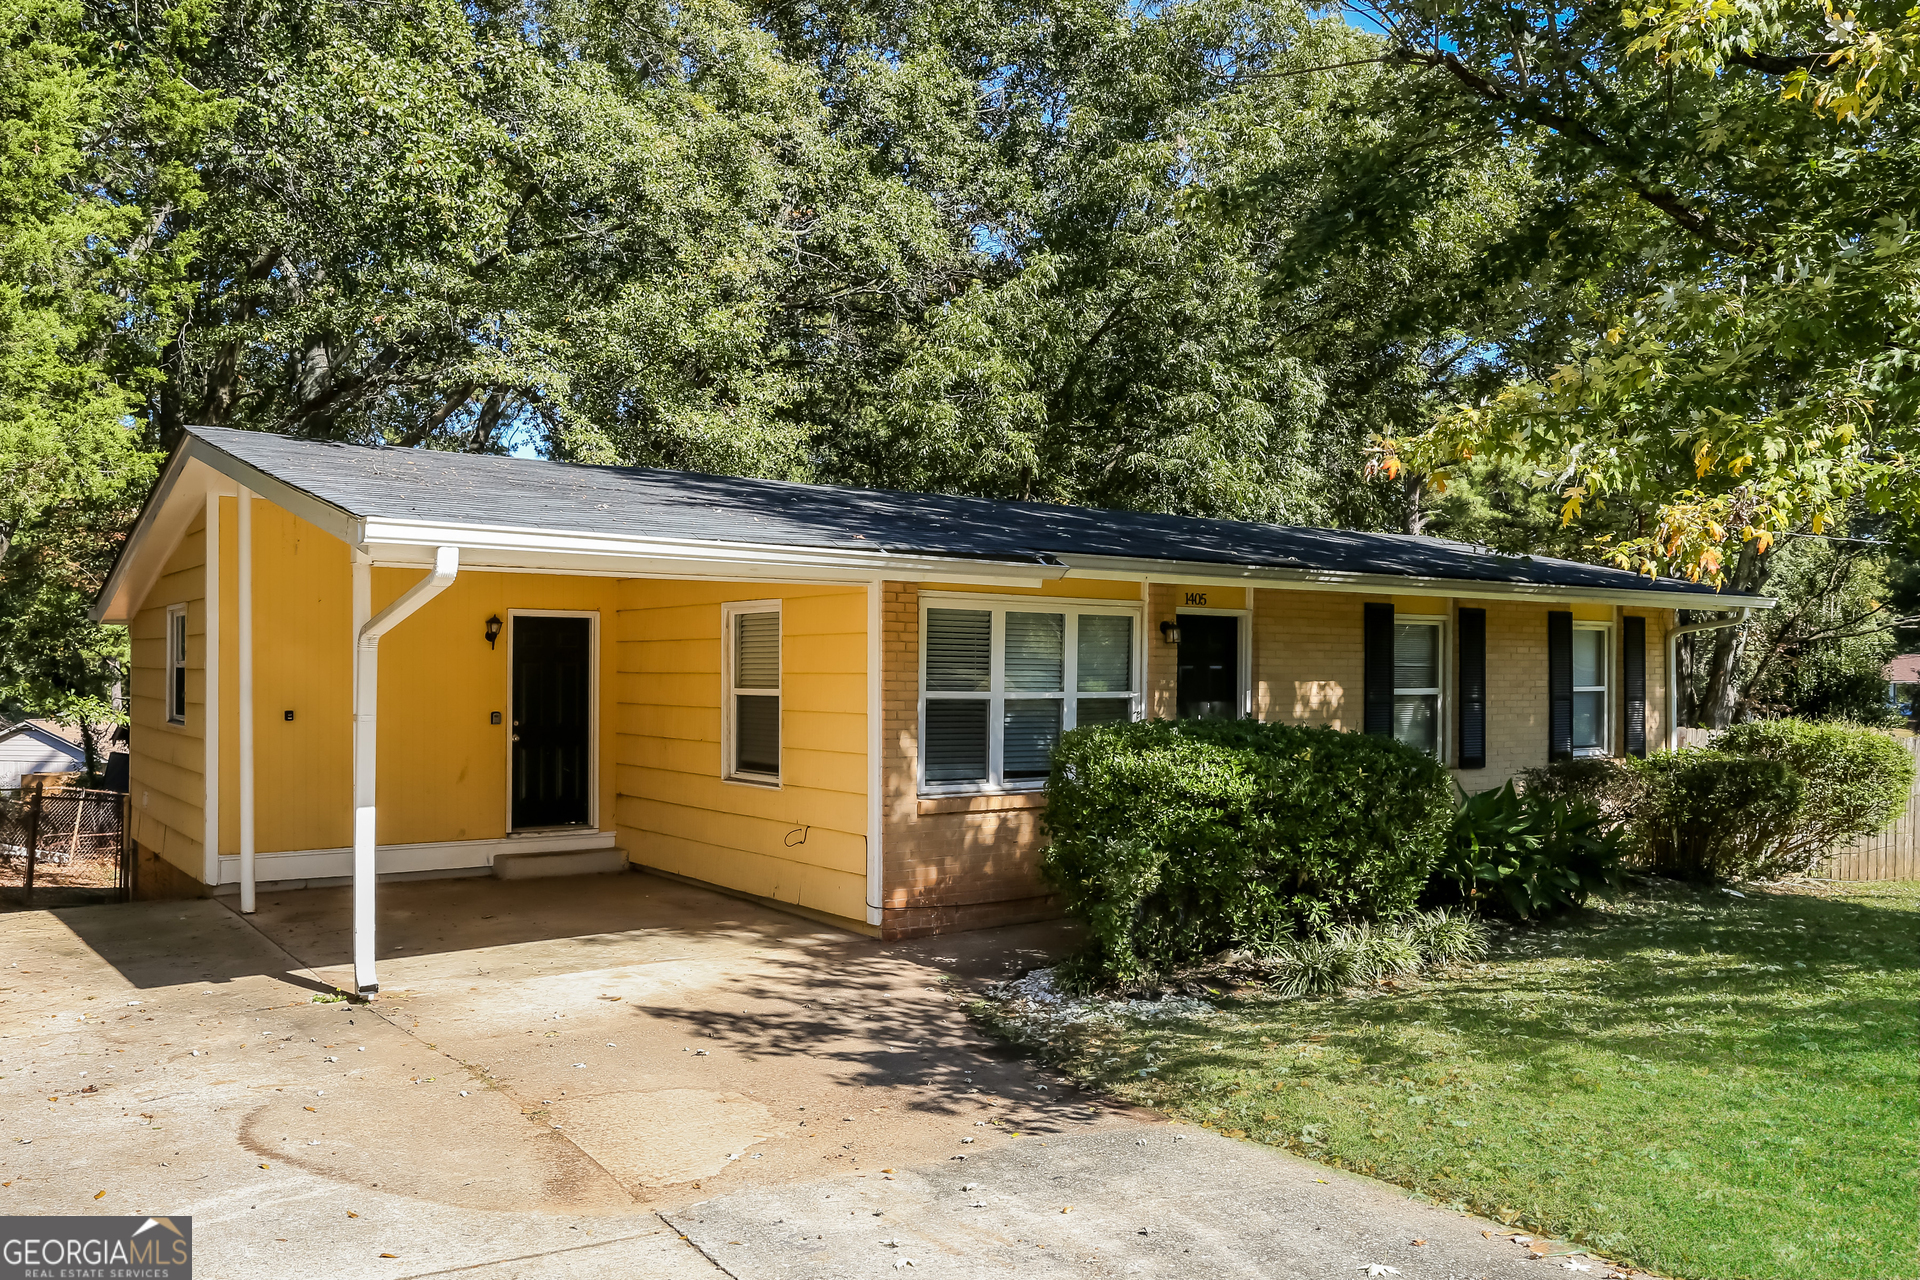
x: 1218, y: 575
x: 482, y: 547
x: 195, y: 469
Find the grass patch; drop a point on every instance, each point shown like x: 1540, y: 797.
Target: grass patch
x: 1694, y: 1083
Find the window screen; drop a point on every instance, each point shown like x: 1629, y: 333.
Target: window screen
x: 755, y: 665
x: 1589, y: 689
x: 1416, y: 685
x: 177, y: 666
x: 1002, y: 683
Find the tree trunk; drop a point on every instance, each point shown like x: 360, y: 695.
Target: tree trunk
x: 89, y: 753
x: 1416, y: 489
x: 1724, y: 689
x: 1686, y: 673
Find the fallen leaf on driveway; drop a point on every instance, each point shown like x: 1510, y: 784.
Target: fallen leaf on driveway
x: 1419, y: 1241
x: 389, y: 1255
x: 352, y: 1214
x: 98, y: 1194
x: 1375, y: 1269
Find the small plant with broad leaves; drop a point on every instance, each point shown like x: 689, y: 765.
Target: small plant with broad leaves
x: 1526, y: 856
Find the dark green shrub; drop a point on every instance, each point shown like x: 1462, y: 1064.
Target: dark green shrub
x: 1853, y: 781
x: 1712, y: 816
x: 1608, y: 786
x: 1526, y: 855
x: 1176, y: 839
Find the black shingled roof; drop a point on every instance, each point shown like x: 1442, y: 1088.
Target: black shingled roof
x: 459, y: 488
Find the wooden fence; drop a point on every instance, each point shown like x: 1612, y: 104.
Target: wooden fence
x: 1894, y: 854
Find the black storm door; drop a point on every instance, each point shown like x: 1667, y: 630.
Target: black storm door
x: 1209, y: 667
x: 552, y: 719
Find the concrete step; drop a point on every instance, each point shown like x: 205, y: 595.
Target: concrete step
x: 577, y: 862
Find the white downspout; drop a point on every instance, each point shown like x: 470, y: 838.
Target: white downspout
x: 1673, y: 664
x: 210, y: 798
x: 243, y: 600
x: 366, y: 698
x: 876, y: 774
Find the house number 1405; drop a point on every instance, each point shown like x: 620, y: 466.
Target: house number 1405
x: 1197, y: 599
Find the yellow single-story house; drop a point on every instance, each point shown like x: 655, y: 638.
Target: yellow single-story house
x: 355, y: 663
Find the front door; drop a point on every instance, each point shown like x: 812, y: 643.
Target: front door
x: 1209, y: 667
x: 552, y: 722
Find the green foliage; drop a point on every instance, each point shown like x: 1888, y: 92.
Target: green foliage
x: 94, y: 135
x: 1707, y: 815
x: 1363, y: 952
x: 1608, y: 786
x: 1720, y: 349
x: 1820, y: 652
x: 1525, y: 855
x: 1171, y: 840
x: 1852, y: 782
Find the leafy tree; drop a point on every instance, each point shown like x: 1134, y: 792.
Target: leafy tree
x: 1821, y: 653
x: 93, y: 161
x: 1725, y: 205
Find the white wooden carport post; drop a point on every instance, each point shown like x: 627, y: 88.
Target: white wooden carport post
x: 366, y: 700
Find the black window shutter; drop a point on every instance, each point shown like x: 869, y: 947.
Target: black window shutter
x: 1378, y: 714
x: 1559, y: 685
x: 1473, y: 688
x: 1633, y: 676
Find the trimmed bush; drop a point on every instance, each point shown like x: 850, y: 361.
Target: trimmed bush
x: 1525, y: 854
x: 1854, y: 781
x: 1174, y: 839
x: 1610, y: 787
x: 1712, y: 816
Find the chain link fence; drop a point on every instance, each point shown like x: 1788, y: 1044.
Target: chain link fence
x: 68, y: 844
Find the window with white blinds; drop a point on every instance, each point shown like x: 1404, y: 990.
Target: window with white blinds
x: 1416, y: 684
x: 1001, y: 682
x: 750, y: 721
x: 1590, y: 687
x: 177, y: 664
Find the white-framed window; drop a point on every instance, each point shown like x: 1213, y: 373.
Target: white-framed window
x: 1001, y: 680
x: 1591, y: 669
x: 177, y: 664
x: 750, y: 720
x: 1419, y: 656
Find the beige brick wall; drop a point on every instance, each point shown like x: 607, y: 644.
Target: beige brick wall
x: 951, y: 863
x: 967, y: 862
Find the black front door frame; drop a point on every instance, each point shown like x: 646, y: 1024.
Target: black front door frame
x: 593, y: 716
x: 1243, y: 658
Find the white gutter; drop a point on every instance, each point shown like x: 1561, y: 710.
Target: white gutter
x: 210, y: 794
x: 244, y: 642
x: 366, y: 699
x: 876, y: 740
x: 1673, y: 665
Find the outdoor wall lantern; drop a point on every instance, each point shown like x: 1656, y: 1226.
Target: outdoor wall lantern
x: 1170, y: 632
x: 493, y: 630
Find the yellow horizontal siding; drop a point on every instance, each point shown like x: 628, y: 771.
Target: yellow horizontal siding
x: 677, y: 812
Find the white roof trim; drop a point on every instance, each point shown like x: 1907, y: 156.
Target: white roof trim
x: 199, y: 468
x: 195, y: 470
x: 1199, y: 573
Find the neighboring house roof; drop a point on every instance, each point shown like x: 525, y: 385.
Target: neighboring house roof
x: 508, y: 512
x: 1904, y: 669
x: 47, y: 735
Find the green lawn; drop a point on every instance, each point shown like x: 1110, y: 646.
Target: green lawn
x: 1697, y: 1084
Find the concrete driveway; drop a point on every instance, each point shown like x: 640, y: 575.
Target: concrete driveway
x: 620, y: 1076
